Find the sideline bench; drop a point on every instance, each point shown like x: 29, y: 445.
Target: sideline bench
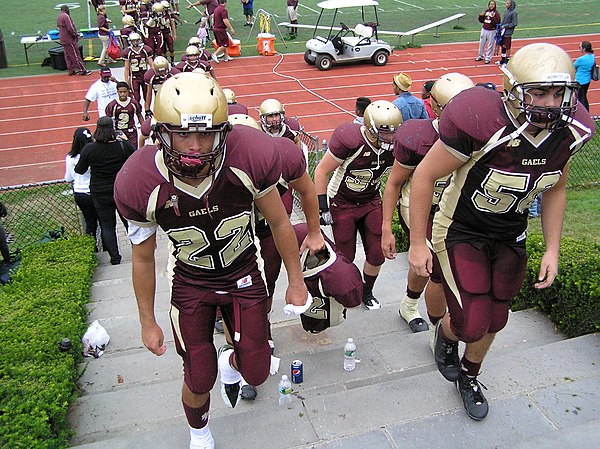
x: 412, y: 33
x: 30, y: 41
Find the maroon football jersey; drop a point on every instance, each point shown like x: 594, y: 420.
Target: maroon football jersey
x: 210, y: 226
x: 411, y: 143
x: 138, y: 59
x: 151, y: 78
x: 236, y: 108
x: 123, y: 113
x: 504, y: 170
x: 188, y: 66
x: 357, y: 180
x: 285, y: 131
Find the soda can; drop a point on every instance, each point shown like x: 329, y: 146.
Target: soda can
x: 297, y: 372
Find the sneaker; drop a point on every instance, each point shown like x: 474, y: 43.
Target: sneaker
x: 370, y: 301
x: 478, y: 58
x: 249, y: 392
x: 410, y: 313
x: 446, y: 355
x: 487, y: 62
x: 201, y: 438
x: 231, y: 380
x: 85, y: 73
x: 475, y: 403
x: 219, y: 325
x: 226, y: 58
x: 215, y: 58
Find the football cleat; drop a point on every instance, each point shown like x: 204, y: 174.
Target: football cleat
x: 410, y: 312
x: 446, y: 355
x: 219, y: 325
x: 231, y: 379
x: 475, y: 403
x: 370, y: 301
x: 248, y: 392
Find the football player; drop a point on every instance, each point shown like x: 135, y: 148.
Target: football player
x: 124, y: 110
x: 166, y: 24
x: 358, y: 156
x: 272, y: 119
x: 232, y: 105
x: 503, y: 152
x: 155, y: 77
x: 200, y: 184
x: 192, y: 62
x: 409, y: 151
x: 137, y: 60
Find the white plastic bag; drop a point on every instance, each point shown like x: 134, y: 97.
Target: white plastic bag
x: 95, y: 340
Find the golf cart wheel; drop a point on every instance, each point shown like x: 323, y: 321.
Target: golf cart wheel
x: 324, y: 62
x: 380, y: 57
x: 307, y: 58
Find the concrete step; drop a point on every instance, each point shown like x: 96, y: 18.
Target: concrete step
x: 533, y: 393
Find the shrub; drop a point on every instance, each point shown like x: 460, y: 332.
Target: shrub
x: 43, y: 304
x: 573, y: 301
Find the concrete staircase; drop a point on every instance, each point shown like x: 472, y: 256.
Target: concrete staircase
x: 543, y: 389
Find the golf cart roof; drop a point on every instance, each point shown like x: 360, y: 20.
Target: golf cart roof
x: 335, y: 4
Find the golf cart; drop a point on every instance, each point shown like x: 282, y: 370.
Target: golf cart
x: 347, y: 45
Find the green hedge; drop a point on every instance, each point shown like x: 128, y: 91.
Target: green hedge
x: 43, y: 304
x: 573, y: 301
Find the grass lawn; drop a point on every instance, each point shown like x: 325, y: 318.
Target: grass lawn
x: 582, y: 216
x: 544, y: 18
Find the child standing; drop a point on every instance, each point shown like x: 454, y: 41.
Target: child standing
x: 203, y: 30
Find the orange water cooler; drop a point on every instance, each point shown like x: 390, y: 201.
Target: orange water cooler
x: 266, y: 44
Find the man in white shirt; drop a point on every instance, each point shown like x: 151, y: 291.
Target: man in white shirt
x: 103, y: 91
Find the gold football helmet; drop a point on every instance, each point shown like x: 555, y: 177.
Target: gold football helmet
x: 128, y: 21
x: 157, y: 8
x: 230, y: 96
x: 446, y: 87
x: 540, y: 66
x: 382, y: 120
x: 165, y: 4
x: 191, y: 102
x: 192, y: 53
x: 161, y: 65
x: 243, y: 119
x: 195, y: 40
x: 271, y: 107
x: 135, y: 40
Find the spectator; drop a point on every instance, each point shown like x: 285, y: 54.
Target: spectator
x: 221, y: 25
x: 210, y: 6
x: 103, y: 91
x: 4, y: 250
x: 583, y: 71
x: 202, y: 32
x: 81, y: 183
x: 248, y: 12
x: 103, y: 35
x: 409, y: 105
x: 69, y: 38
x: 426, y: 97
x: 104, y: 158
x: 292, y: 12
x: 359, y: 109
x: 509, y: 23
x: 489, y: 18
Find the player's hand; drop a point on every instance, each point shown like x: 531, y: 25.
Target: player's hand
x: 388, y: 244
x: 296, y: 294
x: 86, y: 117
x: 154, y: 339
x: 548, y: 270
x: 420, y: 259
x: 314, y: 243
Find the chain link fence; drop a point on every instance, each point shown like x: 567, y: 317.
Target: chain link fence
x: 35, y: 209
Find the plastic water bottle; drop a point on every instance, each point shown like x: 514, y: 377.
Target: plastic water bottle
x: 350, y: 355
x: 285, y: 391
x: 324, y: 146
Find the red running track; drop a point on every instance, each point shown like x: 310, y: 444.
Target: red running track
x: 39, y: 114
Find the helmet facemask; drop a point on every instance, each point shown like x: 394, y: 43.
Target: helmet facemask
x: 273, y: 125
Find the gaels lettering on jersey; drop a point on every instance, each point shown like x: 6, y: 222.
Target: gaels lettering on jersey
x: 204, y: 211
x: 533, y: 162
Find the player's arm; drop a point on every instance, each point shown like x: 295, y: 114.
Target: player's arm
x: 437, y: 163
x: 144, y: 284
x: 554, y: 202
x: 271, y: 207
x: 148, y: 99
x: 396, y: 180
x: 127, y: 71
x: 314, y: 240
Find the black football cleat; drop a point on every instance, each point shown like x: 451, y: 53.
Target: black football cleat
x: 446, y: 355
x: 475, y: 403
